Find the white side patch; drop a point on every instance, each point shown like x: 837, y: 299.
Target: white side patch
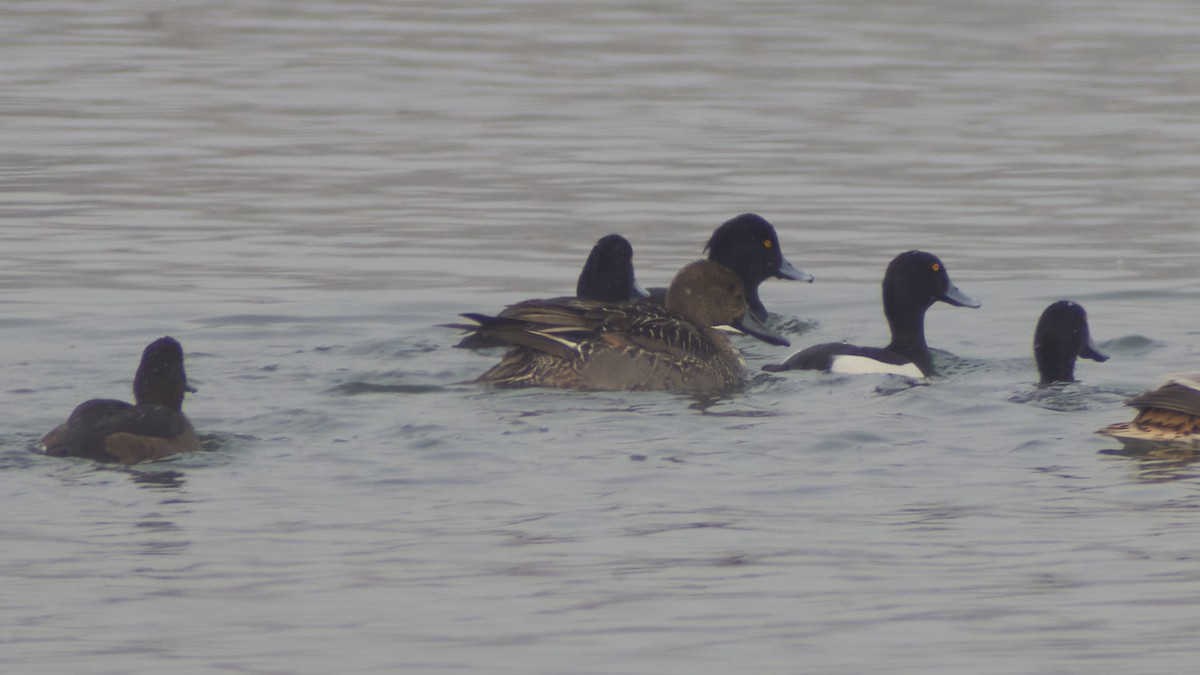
x: 849, y: 364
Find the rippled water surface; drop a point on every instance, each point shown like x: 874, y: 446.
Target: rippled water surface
x: 301, y: 192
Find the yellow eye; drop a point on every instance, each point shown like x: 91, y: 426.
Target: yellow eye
x: 936, y: 267
x: 767, y: 244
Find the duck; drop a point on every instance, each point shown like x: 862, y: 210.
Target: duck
x: 1061, y: 336
x: 1167, y: 416
x: 748, y: 245
x: 153, y: 427
x: 607, y: 276
x: 603, y: 346
x: 913, y: 281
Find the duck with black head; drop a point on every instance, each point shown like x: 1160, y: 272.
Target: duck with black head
x: 1061, y: 336
x: 607, y: 276
x: 912, y: 283
x: 152, y: 428
x: 748, y: 245
x: 599, y: 346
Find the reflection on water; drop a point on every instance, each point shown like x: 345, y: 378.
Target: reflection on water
x: 158, y: 479
x: 1069, y: 397
x: 305, y: 193
x: 1155, y: 463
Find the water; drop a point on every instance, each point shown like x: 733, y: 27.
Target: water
x: 301, y: 193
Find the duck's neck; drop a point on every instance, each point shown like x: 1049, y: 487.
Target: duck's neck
x: 755, y: 306
x: 1055, y: 367
x: 158, y: 388
x: 908, y: 338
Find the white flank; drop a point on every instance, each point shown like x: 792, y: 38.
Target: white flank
x: 849, y: 364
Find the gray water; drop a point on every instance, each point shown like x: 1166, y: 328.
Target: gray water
x: 301, y: 192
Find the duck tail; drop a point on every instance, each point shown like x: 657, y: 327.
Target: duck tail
x: 552, y: 340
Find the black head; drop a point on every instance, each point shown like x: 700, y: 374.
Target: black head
x: 160, y: 378
x: 912, y: 283
x: 608, y: 273
x: 915, y: 280
x: 1061, y: 336
x: 749, y: 246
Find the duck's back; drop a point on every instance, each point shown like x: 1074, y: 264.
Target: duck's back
x: 1167, y: 415
x: 79, y: 436
x: 110, y: 430
x: 607, y: 276
x: 1171, y: 411
x: 1173, y: 396
x: 580, y: 344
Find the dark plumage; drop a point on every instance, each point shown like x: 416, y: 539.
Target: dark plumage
x: 1169, y: 415
x: 116, y: 431
x: 607, y: 276
x: 589, y: 345
x: 748, y: 245
x: 608, y: 273
x: 1061, y: 336
x: 912, y: 283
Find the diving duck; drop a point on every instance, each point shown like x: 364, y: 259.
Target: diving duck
x: 912, y: 282
x: 153, y: 427
x: 1061, y: 336
x: 748, y: 245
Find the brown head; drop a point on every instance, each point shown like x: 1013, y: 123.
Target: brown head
x: 708, y: 294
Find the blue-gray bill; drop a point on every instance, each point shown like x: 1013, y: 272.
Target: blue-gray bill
x: 959, y: 299
x: 789, y: 271
x: 752, y: 326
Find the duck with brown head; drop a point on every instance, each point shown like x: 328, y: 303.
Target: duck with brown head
x: 587, y: 345
x: 748, y: 245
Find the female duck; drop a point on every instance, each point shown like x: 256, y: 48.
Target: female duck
x: 912, y: 283
x: 748, y: 245
x: 607, y: 276
x: 588, y: 345
x: 1061, y: 336
x: 115, y: 431
x: 1169, y: 415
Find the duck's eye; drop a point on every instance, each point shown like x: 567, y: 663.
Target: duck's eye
x: 767, y: 243
x: 936, y: 267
